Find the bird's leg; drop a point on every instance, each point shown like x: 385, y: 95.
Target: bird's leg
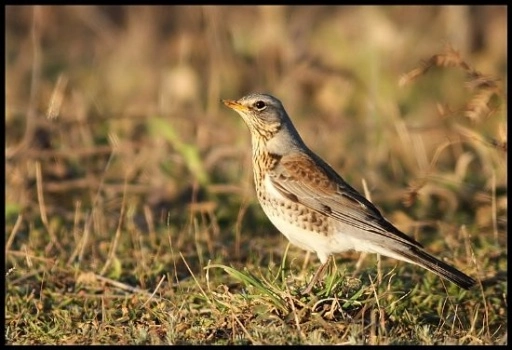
x: 319, y: 273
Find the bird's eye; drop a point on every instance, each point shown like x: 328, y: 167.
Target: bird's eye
x: 260, y: 105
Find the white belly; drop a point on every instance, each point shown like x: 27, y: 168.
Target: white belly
x: 300, y: 237
x: 297, y: 235
x: 341, y: 237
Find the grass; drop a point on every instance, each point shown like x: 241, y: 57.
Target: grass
x: 130, y: 211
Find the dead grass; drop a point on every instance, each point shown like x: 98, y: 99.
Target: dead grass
x: 130, y: 214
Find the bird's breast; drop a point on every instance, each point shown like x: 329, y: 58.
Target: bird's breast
x: 288, y: 215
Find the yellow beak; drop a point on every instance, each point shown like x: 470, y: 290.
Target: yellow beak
x: 235, y: 105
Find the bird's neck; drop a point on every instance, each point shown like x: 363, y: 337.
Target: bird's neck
x: 268, y: 151
x: 263, y: 162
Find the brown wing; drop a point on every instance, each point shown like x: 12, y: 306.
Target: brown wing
x: 307, y: 179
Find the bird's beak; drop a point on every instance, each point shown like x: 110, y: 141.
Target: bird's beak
x: 235, y: 105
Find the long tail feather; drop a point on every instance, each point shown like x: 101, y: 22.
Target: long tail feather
x: 420, y: 257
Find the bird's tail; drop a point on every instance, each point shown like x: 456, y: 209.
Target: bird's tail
x: 420, y: 257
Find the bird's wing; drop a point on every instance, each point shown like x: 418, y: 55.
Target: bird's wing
x: 308, y: 180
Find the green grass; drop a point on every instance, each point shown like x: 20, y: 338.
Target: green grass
x: 130, y: 211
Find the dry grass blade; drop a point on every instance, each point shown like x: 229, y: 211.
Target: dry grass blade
x: 475, y: 136
x: 14, y: 231
x: 57, y: 98
x: 91, y: 277
x: 478, y: 105
x: 154, y: 292
x: 42, y: 207
x: 113, y: 246
x: 412, y: 192
x: 80, y: 248
x: 195, y: 279
x: 449, y: 58
x: 246, y: 332
x: 485, y: 87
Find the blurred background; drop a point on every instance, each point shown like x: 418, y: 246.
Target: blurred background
x: 114, y: 121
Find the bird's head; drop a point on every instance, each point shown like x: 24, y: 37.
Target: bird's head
x: 263, y: 114
x: 268, y: 122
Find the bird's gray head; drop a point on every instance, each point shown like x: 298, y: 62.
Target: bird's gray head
x: 263, y: 114
x: 266, y: 118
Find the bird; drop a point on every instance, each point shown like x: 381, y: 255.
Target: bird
x: 312, y: 205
